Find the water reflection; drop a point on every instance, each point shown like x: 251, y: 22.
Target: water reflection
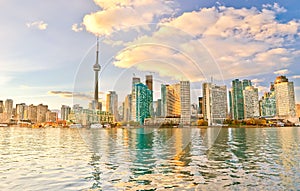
x: 150, y: 159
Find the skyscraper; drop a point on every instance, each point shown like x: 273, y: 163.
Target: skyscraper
x: 237, y: 98
x: 214, y: 103
x: 8, y: 110
x: 64, y: 112
x: 32, y: 113
x: 143, y: 102
x: 285, y: 97
x: 185, y: 99
x: 96, y: 68
x: 149, y: 82
x: 251, y: 105
x: 21, y: 111
x: 41, y: 113
x: 127, y: 108
x: 171, y: 106
x: 112, y: 104
x: 135, y: 81
x: 268, y: 103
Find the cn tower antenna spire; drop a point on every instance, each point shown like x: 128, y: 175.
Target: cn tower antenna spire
x: 97, y: 68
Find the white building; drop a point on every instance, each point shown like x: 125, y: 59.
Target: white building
x: 112, y: 104
x: 251, y: 102
x: 185, y: 103
x: 285, y: 99
x: 214, y: 103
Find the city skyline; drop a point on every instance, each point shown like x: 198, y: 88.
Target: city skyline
x: 45, y: 51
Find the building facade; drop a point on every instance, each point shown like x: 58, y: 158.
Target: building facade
x: 41, y: 113
x: 185, y: 99
x: 251, y: 103
x: 285, y: 98
x: 135, y: 81
x: 112, y: 104
x: 143, y: 102
x: 171, y: 106
x: 268, y: 103
x: 214, y: 103
x: 64, y: 112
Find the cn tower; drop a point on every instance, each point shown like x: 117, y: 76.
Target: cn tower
x: 96, y: 68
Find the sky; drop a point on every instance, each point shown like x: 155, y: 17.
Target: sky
x: 48, y: 47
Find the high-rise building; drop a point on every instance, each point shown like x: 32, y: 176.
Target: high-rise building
x: 214, y: 103
x: 298, y: 110
x: 237, y: 98
x: 64, y: 112
x: 185, y: 99
x: 135, y: 81
x: 251, y: 105
x: 285, y: 97
x: 127, y: 108
x: 112, y: 104
x: 171, y: 106
x: 97, y: 68
x: 200, y: 105
x: 143, y: 102
x: 41, y: 113
x: 158, y: 108
x: 21, y: 113
x: 8, y: 109
x: 1, y: 106
x: 32, y: 113
x: 51, y: 116
x: 268, y: 103
x: 149, y: 82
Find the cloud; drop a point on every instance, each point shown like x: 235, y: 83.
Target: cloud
x: 77, y: 27
x: 296, y: 77
x: 75, y: 95
x: 282, y: 72
x: 119, y: 14
x: 40, y: 25
x: 241, y: 42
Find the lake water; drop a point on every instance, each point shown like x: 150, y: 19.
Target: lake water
x: 150, y: 159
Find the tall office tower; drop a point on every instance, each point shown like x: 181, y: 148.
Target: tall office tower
x: 32, y: 113
x: 127, y: 108
x: 251, y: 105
x: 185, y: 99
x: 41, y: 113
x: 170, y: 96
x: 298, y: 110
x: 96, y: 68
x: 214, y: 103
x: 64, y: 112
x: 149, y: 82
x: 237, y: 98
x: 8, y: 109
x: 285, y: 97
x: 158, y: 108
x: 1, y: 106
x: 112, y: 104
x: 21, y: 111
x: 268, y: 103
x: 143, y: 102
x: 200, y: 105
x: 135, y: 81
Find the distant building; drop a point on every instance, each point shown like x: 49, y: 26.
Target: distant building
x: 149, y: 82
x: 251, y: 105
x: 214, y: 103
x: 237, y: 98
x: 143, y: 102
x: 64, y: 112
x: 112, y: 104
x: 171, y: 106
x: 158, y: 108
x: 127, y: 108
x: 135, y: 81
x: 1, y: 106
x: 298, y: 110
x: 41, y: 113
x: 185, y: 99
x: 21, y: 112
x: 285, y: 98
x: 8, y: 109
x: 51, y: 116
x: 32, y: 113
x: 200, y: 103
x: 268, y: 103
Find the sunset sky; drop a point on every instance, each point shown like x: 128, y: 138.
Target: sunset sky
x: 48, y: 47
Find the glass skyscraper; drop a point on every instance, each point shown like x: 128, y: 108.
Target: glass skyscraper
x: 144, y: 100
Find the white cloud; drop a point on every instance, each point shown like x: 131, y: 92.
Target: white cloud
x: 282, y: 72
x: 77, y: 27
x: 119, y: 14
x: 296, y: 77
x: 41, y: 25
